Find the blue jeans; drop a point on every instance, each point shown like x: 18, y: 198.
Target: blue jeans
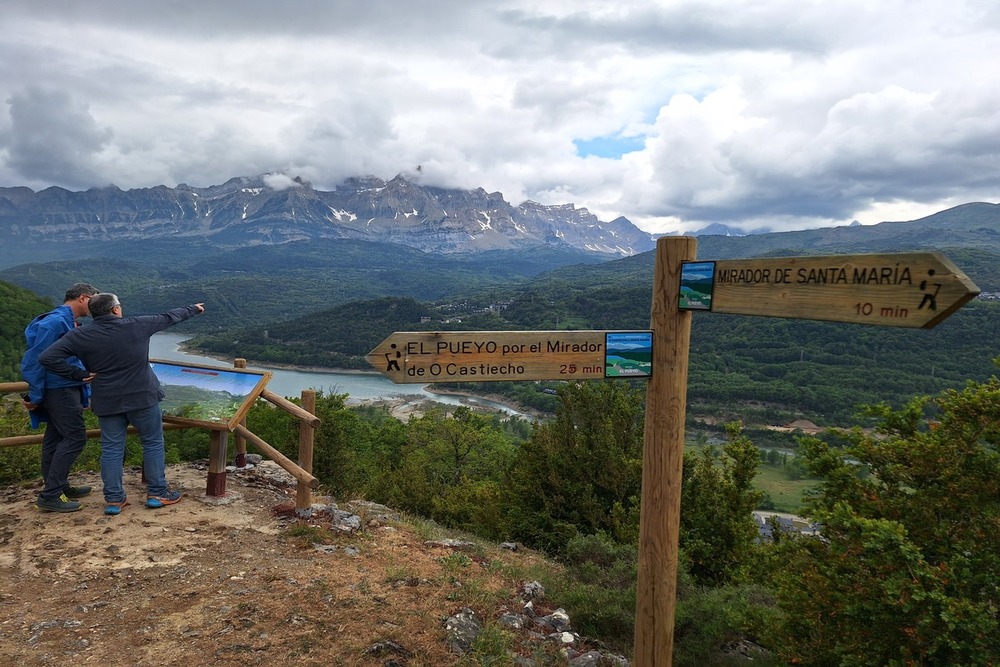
x: 149, y: 423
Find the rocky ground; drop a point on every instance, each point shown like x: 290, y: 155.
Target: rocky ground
x: 239, y: 581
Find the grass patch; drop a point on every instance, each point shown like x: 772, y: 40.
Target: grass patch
x: 774, y: 480
x: 426, y: 529
x: 492, y: 648
x: 397, y: 573
x: 785, y: 493
x: 306, y: 535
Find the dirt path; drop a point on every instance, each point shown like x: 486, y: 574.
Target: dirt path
x: 209, y: 583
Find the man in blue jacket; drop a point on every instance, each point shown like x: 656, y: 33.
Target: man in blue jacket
x: 115, y: 353
x: 58, y: 401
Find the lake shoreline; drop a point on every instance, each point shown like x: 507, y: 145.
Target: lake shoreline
x: 402, y: 406
x: 277, y: 365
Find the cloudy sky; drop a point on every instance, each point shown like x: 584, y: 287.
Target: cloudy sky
x: 783, y: 114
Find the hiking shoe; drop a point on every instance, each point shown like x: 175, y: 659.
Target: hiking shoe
x: 114, y: 509
x: 60, y: 504
x: 72, y: 492
x: 168, y: 498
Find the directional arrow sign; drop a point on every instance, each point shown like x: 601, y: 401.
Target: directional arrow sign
x: 488, y: 356
x: 893, y: 289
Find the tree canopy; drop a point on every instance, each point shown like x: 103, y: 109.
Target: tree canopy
x: 19, y: 307
x: 907, y: 567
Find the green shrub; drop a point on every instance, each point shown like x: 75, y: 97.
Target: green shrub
x: 18, y: 464
x: 597, y: 588
x: 906, y: 571
x: 709, y: 621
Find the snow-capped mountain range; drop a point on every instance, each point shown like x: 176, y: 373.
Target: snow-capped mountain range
x: 266, y: 210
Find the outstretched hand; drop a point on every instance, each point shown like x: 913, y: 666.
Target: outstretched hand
x: 200, y: 307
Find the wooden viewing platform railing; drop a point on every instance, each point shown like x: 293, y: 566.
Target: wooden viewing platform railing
x: 216, y: 484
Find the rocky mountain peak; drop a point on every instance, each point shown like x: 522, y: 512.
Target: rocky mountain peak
x: 276, y: 208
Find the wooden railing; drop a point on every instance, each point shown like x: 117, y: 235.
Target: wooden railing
x: 217, y: 459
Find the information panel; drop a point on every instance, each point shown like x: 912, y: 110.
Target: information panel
x: 217, y: 398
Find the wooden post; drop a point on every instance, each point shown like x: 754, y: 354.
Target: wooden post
x: 286, y: 463
x: 303, y: 494
x: 92, y: 434
x: 289, y: 407
x: 12, y: 387
x: 217, y: 464
x: 240, y: 460
x: 663, y: 459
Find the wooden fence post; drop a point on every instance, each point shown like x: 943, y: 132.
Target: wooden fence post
x: 303, y: 494
x: 240, y: 459
x: 217, y: 463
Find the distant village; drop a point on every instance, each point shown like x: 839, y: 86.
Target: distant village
x: 464, y: 309
x: 770, y: 523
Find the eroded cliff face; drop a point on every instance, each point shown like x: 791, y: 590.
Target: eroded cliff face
x: 246, y: 211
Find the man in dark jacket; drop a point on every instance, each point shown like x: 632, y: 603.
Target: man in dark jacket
x: 58, y: 401
x: 115, y: 352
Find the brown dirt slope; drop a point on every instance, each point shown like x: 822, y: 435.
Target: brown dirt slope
x: 203, y: 583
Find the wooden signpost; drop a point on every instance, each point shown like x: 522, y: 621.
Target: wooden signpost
x: 903, y: 290
x: 907, y: 289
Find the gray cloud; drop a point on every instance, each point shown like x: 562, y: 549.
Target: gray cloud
x: 54, y: 138
x: 753, y: 113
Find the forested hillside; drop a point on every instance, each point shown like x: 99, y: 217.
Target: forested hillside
x: 328, y: 303
x: 337, y: 338
x: 19, y: 307
x: 767, y: 369
x: 267, y: 284
x: 972, y: 225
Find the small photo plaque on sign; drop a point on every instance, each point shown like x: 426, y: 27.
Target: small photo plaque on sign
x: 697, y: 281
x: 628, y: 354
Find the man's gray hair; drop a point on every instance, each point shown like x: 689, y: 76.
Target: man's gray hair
x: 78, y: 290
x: 102, y: 304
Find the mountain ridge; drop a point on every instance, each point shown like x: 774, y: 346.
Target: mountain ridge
x: 247, y: 211
x: 974, y: 225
